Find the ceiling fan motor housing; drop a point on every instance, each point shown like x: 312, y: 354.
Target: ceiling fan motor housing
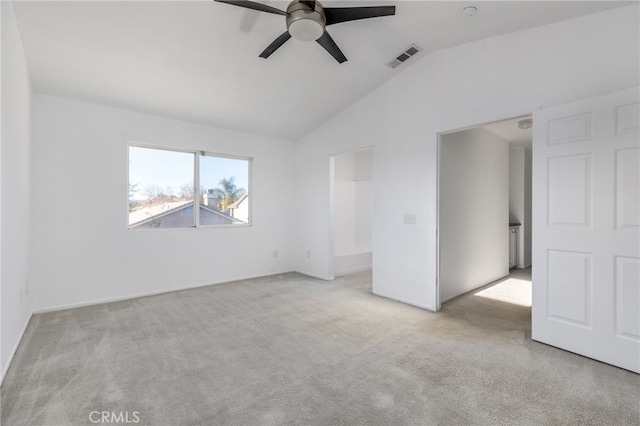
x: 305, y: 24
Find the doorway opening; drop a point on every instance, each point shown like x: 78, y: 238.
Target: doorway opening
x: 484, y: 212
x: 351, y: 212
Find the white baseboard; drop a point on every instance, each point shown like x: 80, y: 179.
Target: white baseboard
x: 406, y: 302
x: 315, y: 276
x: 145, y: 294
x: 15, y: 348
x: 352, y: 263
x: 485, y: 284
x: 352, y: 271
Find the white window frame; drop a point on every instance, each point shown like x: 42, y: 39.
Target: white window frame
x: 197, y: 154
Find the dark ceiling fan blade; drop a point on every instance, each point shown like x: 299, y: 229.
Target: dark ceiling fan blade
x: 335, y: 15
x: 330, y: 46
x: 254, y: 6
x: 311, y: 4
x: 275, y: 45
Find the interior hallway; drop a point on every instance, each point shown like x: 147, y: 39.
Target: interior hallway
x: 290, y: 349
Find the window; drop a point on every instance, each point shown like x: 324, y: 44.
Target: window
x: 167, y: 186
x: 224, y: 183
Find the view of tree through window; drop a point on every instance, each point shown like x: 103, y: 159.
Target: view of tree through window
x: 225, y: 183
x: 164, y: 189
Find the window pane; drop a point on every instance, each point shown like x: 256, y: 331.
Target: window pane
x: 224, y: 184
x: 161, y: 190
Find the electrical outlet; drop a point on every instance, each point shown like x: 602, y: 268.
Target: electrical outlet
x: 275, y: 253
x: 409, y: 219
x: 308, y: 253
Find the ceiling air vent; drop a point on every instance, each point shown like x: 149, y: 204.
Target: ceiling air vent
x: 408, y: 52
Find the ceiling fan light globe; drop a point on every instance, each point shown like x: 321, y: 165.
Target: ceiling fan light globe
x: 305, y: 30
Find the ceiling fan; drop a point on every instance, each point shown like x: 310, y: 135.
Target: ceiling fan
x: 306, y: 21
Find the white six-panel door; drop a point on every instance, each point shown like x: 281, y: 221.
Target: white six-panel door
x: 586, y: 228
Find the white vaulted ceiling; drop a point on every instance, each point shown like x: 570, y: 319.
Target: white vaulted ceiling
x: 198, y: 61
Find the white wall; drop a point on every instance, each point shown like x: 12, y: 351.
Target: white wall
x: 526, y: 239
x: 474, y: 211
x: 353, y: 203
x: 516, y: 184
x: 520, y: 200
x: 344, y: 204
x: 353, y: 212
x: 472, y: 84
x: 15, y: 189
x: 83, y: 250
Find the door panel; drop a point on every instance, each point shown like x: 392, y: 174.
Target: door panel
x: 586, y: 228
x: 569, y: 278
x: 627, y: 291
x: 569, y: 190
x: 627, y: 200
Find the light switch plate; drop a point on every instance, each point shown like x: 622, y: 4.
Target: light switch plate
x: 409, y: 219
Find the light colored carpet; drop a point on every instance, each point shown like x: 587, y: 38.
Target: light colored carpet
x: 289, y: 350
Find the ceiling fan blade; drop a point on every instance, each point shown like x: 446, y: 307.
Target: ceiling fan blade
x: 311, y: 4
x: 330, y: 46
x: 275, y: 45
x: 254, y: 6
x: 335, y: 15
